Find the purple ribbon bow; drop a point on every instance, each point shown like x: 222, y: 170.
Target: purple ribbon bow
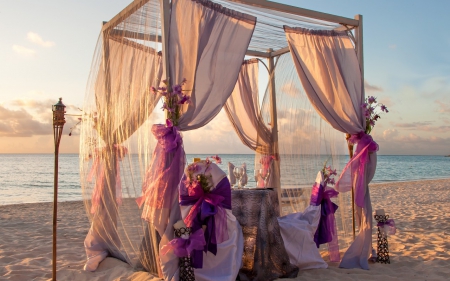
x: 389, y: 224
x: 208, y: 209
x: 162, y: 177
x: 354, y: 171
x: 326, y: 231
x: 184, y: 247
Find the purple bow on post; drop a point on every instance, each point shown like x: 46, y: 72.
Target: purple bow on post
x: 208, y: 209
x: 389, y: 224
x: 184, y: 247
x: 162, y: 177
x: 326, y: 231
x: 354, y: 171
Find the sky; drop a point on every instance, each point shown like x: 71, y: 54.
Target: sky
x: 47, y: 47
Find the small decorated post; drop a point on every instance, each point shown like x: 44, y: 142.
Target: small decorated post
x: 385, y: 225
x: 58, y: 124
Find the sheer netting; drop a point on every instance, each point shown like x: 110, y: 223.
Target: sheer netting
x: 116, y: 141
x: 306, y: 143
x: 329, y: 70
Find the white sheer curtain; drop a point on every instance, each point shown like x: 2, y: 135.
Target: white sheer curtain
x: 207, y: 45
x: 328, y: 68
x: 118, y: 102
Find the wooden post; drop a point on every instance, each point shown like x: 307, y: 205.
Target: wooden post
x: 274, y: 124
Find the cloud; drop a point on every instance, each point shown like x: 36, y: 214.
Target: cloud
x: 444, y: 107
x: 390, y: 134
x: 23, y: 51
x: 423, y: 126
x: 412, y: 144
x: 20, y: 123
x: 372, y: 88
x: 393, y: 46
x: 27, y: 117
x: 413, y: 125
x: 37, y: 39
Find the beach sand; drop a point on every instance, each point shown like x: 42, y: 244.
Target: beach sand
x: 420, y: 250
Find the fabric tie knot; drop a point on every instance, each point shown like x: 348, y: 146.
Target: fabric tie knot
x: 388, y: 226
x: 184, y: 247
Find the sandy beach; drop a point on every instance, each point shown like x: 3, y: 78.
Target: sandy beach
x: 419, y: 251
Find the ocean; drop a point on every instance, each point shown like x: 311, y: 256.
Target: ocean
x: 28, y: 178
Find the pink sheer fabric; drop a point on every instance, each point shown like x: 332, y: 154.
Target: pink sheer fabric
x: 328, y: 68
x: 98, y: 170
x: 354, y: 172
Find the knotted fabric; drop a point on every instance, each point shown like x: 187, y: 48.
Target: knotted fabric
x: 207, y: 209
x: 98, y: 169
x: 326, y: 231
x: 388, y: 227
x: 162, y: 177
x: 355, y: 170
x: 183, y: 247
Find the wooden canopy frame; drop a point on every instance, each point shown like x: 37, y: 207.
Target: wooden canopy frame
x: 347, y: 24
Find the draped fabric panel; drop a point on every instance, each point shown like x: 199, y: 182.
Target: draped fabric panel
x: 207, y: 45
x: 328, y: 68
x: 243, y: 111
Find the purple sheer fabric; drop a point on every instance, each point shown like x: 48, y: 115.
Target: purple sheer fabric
x: 388, y: 226
x: 355, y: 170
x: 183, y: 247
x: 326, y: 231
x: 163, y: 176
x: 208, y: 209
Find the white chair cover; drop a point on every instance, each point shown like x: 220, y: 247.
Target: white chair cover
x: 297, y: 230
x: 226, y: 264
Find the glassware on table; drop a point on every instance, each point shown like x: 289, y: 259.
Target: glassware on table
x: 264, y: 174
x: 257, y: 176
x: 238, y: 172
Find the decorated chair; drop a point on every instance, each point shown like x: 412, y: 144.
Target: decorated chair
x: 303, y: 232
x: 205, y: 199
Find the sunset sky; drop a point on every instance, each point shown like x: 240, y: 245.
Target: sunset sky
x: 47, y: 48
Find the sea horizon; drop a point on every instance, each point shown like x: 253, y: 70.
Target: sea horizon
x: 28, y: 177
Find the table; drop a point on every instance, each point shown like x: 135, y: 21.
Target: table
x: 265, y: 257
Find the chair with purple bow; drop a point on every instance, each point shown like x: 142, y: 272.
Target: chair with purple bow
x: 304, y: 232
x: 205, y: 201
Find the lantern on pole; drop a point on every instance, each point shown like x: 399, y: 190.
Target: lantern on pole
x: 58, y: 123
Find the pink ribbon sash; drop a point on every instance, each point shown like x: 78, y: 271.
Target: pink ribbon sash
x: 98, y: 170
x: 355, y: 170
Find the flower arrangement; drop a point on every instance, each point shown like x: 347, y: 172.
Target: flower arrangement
x: 328, y: 175
x: 173, y: 100
x: 203, y: 181
x: 369, y: 107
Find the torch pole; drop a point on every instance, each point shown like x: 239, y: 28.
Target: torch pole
x: 58, y: 124
x: 55, y: 206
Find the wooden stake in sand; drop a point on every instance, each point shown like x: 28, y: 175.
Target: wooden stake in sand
x: 58, y: 124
